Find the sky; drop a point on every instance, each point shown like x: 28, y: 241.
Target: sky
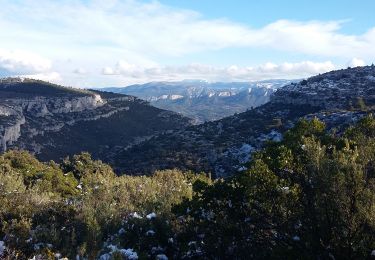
x: 114, y: 43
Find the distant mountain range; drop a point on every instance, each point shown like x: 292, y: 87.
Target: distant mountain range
x: 339, y: 98
x: 137, y: 138
x: 203, y: 101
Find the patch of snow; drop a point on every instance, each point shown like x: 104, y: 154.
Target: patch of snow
x: 163, y: 97
x: 242, y: 168
x: 242, y: 154
x: 192, y: 243
x: 273, y: 136
x: 296, y: 238
x: 225, y: 94
x: 79, y: 186
x: 157, y: 250
x: 38, y: 246
x: 104, y: 257
x: 135, y: 215
x: 373, y: 253
x: 161, y: 257
x: 174, y: 97
x: 150, y: 233
x: 151, y: 215
x: 129, y: 253
x: 2, y: 248
x: 111, y: 247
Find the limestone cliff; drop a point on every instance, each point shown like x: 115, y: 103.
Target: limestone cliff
x: 54, y: 121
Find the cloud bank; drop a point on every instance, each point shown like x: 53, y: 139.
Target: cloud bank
x: 231, y: 73
x: 21, y: 62
x: 150, y: 36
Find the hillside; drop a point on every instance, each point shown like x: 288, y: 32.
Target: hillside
x: 309, y: 196
x: 338, y: 98
x: 54, y: 121
x: 136, y: 138
x: 204, y: 101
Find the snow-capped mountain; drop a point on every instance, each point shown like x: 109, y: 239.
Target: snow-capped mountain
x: 204, y: 101
x: 338, y: 98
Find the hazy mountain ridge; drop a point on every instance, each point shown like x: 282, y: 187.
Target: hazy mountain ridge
x: 339, y: 98
x: 54, y: 121
x: 204, y: 101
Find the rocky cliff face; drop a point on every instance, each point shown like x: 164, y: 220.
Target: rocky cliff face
x: 17, y: 105
x: 42, y: 106
x: 10, y: 126
x: 53, y: 121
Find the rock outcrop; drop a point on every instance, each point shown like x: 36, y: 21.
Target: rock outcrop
x: 10, y: 126
x: 53, y: 121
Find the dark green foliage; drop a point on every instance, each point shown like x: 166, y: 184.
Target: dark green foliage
x: 310, y: 196
x: 74, y: 207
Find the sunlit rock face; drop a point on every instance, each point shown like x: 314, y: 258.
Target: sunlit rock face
x: 54, y: 121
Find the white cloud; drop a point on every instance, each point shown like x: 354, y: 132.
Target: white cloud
x: 212, y: 73
x: 153, y: 28
x: 355, y: 62
x: 108, y: 71
x: 54, y: 77
x: 97, y: 33
x: 21, y: 62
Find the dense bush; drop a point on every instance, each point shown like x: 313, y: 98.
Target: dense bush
x: 73, y: 208
x: 310, y: 196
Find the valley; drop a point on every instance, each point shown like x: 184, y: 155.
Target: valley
x: 203, y: 101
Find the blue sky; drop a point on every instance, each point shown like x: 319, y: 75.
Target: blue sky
x: 260, y: 13
x: 91, y: 43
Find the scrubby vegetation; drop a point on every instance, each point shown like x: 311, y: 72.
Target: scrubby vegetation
x: 310, y: 196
